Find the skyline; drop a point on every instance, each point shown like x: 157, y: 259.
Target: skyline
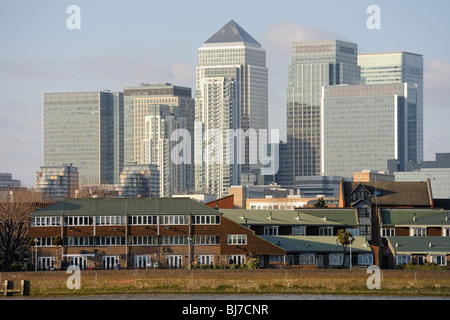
x: 121, y: 44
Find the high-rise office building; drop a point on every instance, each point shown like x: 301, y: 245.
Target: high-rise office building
x: 157, y: 148
x: 85, y: 129
x: 399, y: 67
x: 364, y: 126
x: 138, y: 103
x: 231, y: 93
x: 314, y: 64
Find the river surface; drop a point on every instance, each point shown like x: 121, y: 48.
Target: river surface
x: 224, y: 297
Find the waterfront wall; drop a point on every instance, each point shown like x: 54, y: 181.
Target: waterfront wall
x: 236, y: 281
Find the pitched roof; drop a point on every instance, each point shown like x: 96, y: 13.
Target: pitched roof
x: 232, y: 32
x: 415, y: 217
x: 322, y: 217
x: 317, y: 244
x: 390, y: 193
x: 419, y: 245
x: 123, y: 206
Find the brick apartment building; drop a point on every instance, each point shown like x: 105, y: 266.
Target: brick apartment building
x: 141, y: 233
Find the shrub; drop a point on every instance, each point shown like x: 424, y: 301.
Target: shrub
x: 253, y: 263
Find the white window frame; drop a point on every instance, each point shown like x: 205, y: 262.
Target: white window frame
x: 402, y: 259
x: 237, y: 239
x: 439, y: 259
x: 446, y: 231
x: 418, y: 231
x: 387, y: 232
x: 237, y: 258
x: 307, y: 259
x: 142, y: 261
x: 271, y: 230
x: 205, y: 259
x: 174, y: 261
x: 326, y: 231
x: 110, y: 262
x: 299, y: 230
x: 365, y: 259
x: 335, y: 259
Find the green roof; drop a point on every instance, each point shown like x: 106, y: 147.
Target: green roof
x: 317, y: 244
x: 415, y: 217
x: 124, y: 206
x: 329, y: 217
x: 419, y: 245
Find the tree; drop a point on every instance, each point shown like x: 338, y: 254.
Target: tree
x: 15, y: 206
x: 320, y: 203
x: 344, y: 238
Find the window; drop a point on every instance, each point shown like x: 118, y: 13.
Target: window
x: 142, y: 262
x: 387, y: 232
x: 110, y: 220
x: 142, y: 220
x: 205, y: 219
x: 143, y: 241
x: 365, y: 259
x: 45, y: 221
x: 402, y: 259
x: 110, y: 241
x: 78, y: 241
x: 299, y: 231
x: 364, y: 230
x: 44, y: 241
x: 418, y: 232
x: 236, y: 259
x: 440, y: 260
x: 326, y: 231
x: 78, y: 221
x: 205, y: 259
x: 307, y: 259
x: 205, y: 240
x: 271, y: 230
x: 237, y: 239
x: 173, y: 219
x: 336, y: 259
x: 363, y: 212
x: 446, y: 232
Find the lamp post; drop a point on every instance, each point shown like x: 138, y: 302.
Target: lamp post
x: 351, y: 240
x: 36, y: 241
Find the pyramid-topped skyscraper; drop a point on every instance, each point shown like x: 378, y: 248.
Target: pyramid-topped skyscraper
x: 231, y: 93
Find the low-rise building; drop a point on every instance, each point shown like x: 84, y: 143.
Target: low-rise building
x: 415, y: 235
x: 141, y: 233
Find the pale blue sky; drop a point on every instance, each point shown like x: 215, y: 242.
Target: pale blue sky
x: 123, y: 43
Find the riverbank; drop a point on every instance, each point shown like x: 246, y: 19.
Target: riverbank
x: 265, y: 281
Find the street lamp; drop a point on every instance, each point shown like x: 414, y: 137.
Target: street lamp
x: 351, y: 240
x: 36, y: 241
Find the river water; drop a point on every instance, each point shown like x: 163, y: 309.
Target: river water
x: 227, y: 297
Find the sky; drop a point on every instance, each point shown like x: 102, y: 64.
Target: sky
x: 124, y: 43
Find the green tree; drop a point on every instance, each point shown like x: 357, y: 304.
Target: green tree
x: 344, y: 238
x: 320, y: 203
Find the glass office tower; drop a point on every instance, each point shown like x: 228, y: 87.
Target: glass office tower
x: 364, y: 126
x: 399, y: 67
x: 84, y: 129
x: 231, y: 93
x: 314, y: 64
x: 138, y: 103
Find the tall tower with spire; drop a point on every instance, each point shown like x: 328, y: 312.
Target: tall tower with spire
x: 231, y: 93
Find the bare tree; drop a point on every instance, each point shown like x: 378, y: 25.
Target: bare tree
x: 15, y: 206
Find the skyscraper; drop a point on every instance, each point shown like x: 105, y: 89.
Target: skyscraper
x: 157, y: 147
x: 138, y: 102
x: 364, y: 126
x: 231, y: 93
x: 314, y: 64
x: 399, y: 67
x: 85, y: 129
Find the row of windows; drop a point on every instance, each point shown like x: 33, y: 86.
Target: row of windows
x: 414, y: 232
x: 141, y: 240
x: 132, y: 220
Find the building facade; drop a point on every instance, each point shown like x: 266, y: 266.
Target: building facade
x: 57, y: 183
x: 6, y: 180
x: 157, y: 147
x: 400, y: 67
x: 84, y: 128
x: 142, y: 101
x: 231, y: 94
x: 363, y: 126
x: 139, y: 180
x: 141, y: 233
x: 314, y: 64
